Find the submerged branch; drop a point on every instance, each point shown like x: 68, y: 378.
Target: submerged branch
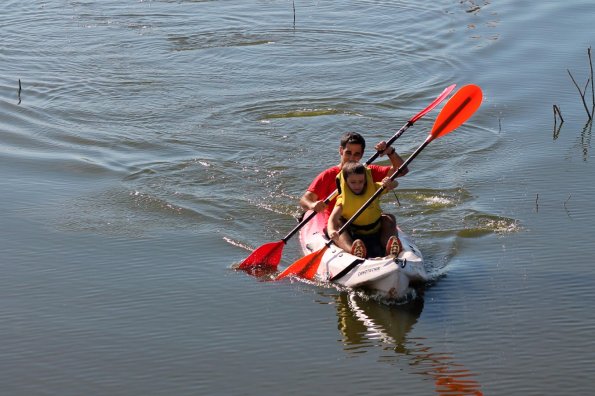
x: 19, y: 92
x: 592, y: 87
x: 565, y: 202
x: 581, y: 92
x: 557, y: 113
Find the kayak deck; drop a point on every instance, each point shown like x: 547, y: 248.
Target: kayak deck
x: 390, y: 276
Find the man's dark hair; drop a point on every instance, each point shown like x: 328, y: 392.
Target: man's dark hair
x: 353, y: 138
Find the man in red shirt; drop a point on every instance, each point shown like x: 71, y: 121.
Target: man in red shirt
x: 351, y: 148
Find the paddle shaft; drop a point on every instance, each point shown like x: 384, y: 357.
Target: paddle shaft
x: 435, y: 133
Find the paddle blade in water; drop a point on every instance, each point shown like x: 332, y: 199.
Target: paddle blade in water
x: 305, y: 267
x: 268, y: 255
x: 457, y: 110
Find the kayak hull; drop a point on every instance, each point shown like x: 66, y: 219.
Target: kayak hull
x: 390, y: 277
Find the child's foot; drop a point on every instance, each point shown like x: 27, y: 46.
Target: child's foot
x: 358, y: 248
x: 393, y: 247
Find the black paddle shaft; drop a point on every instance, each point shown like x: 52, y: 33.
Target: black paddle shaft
x: 390, y: 141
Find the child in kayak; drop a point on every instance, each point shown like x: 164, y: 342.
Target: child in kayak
x: 356, y: 186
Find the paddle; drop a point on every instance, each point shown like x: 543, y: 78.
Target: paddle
x: 269, y: 254
x: 456, y: 111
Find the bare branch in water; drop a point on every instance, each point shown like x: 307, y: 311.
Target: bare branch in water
x: 19, y: 92
x: 565, y: 208
x: 592, y: 87
x: 569, y: 195
x: 557, y: 113
x: 581, y: 92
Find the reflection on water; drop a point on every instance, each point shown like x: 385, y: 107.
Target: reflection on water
x: 585, y: 139
x: 365, y: 324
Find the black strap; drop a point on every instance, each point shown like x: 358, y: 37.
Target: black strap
x: 346, y: 270
x: 364, y: 227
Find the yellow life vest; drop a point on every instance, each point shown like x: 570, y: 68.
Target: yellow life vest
x: 368, y: 222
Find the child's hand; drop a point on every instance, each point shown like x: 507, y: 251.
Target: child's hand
x: 334, y: 236
x: 389, y: 184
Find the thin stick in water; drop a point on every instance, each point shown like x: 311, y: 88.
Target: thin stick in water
x: 581, y: 92
x: 558, y: 112
x: 592, y: 87
x: 568, y: 199
x: 19, y: 91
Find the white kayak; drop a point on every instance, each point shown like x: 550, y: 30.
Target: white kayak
x: 389, y: 277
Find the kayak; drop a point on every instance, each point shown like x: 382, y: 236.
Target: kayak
x: 388, y: 277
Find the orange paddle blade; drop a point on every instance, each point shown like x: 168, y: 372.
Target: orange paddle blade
x: 268, y: 255
x: 305, y: 267
x: 457, y: 110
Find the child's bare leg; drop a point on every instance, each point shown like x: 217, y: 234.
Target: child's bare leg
x: 388, y: 227
x: 345, y: 241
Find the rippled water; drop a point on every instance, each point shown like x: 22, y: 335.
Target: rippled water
x: 147, y: 146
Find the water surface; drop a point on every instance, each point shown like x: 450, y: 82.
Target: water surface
x: 152, y: 144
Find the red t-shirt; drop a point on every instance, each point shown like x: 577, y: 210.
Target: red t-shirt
x: 324, y: 184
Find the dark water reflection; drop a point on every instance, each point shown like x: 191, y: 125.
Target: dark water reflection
x: 366, y: 324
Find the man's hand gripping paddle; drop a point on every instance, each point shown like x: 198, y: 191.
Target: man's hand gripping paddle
x: 268, y: 255
x: 456, y: 111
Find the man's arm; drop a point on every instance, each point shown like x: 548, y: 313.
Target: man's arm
x: 395, y: 159
x: 310, y: 201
